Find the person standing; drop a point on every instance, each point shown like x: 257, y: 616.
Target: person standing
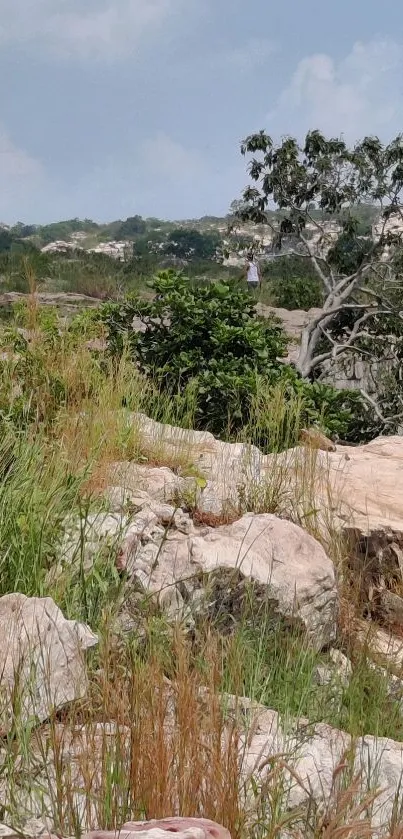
x: 253, y: 275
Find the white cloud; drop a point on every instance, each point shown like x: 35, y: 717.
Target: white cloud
x: 356, y: 96
x: 76, y: 28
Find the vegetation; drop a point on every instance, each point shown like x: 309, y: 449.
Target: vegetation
x: 292, y: 283
x: 62, y: 425
x: 186, y: 243
x: 207, y: 342
x: 308, y: 184
x: 160, y: 730
x: 131, y: 228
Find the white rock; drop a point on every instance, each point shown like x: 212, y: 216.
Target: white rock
x: 314, y: 753
x: 267, y: 550
x: 41, y: 654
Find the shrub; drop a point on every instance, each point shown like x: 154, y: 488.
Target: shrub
x: 293, y: 283
x: 206, y: 334
x: 207, y: 342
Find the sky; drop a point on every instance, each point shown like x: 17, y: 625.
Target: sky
x: 110, y: 108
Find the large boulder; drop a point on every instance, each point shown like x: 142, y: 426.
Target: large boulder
x: 203, y: 571
x: 287, y: 565
x: 41, y: 658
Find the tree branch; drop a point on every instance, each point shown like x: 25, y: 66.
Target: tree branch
x: 315, y: 264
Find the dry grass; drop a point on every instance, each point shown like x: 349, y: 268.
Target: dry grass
x: 141, y: 746
x: 146, y: 746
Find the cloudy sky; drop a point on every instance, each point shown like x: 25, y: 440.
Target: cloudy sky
x: 114, y: 107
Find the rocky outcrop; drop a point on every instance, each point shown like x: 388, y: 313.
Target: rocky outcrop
x: 355, y: 490
x: 363, y: 485
x: 288, y: 568
x: 307, y: 767
x: 41, y: 658
x: 202, y: 571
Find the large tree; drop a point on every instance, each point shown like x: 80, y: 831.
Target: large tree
x: 326, y: 196
x: 188, y: 243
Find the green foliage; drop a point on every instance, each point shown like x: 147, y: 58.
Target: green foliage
x: 36, y: 494
x: 92, y: 274
x: 187, y: 243
x: 350, y: 250
x: 22, y: 231
x: 335, y: 411
x: 6, y: 241
x: 206, y: 341
x: 207, y: 335
x: 63, y: 229
x: 293, y: 283
x: 277, y: 667
x: 14, y: 265
x: 86, y: 324
x: 29, y: 391
x: 132, y: 227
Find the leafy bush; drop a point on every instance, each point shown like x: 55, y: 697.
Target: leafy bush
x: 187, y: 243
x: 206, y: 334
x: 293, y: 283
x: 206, y: 340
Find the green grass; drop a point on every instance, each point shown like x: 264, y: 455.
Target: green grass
x: 52, y: 471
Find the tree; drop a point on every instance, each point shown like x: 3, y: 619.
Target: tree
x: 187, y: 243
x: 132, y: 227
x: 319, y: 189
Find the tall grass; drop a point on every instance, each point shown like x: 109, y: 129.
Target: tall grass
x: 37, y: 493
x: 152, y: 737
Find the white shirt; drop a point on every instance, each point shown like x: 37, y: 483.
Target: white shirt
x: 253, y: 274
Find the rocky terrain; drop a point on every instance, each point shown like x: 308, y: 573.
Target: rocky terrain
x: 196, y: 546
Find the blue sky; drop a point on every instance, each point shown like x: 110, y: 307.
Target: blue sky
x: 116, y: 107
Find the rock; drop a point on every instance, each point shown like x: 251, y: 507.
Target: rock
x: 158, y: 482
x: 385, y: 648
x: 182, y: 828
x: 41, y: 656
x: 370, y: 484
x: 314, y: 755
x: 224, y: 465
x: 392, y: 607
x: 362, y: 484
x: 342, y: 665
x: 33, y: 829
x: 337, y: 674
x: 205, y: 571
x: 280, y: 557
